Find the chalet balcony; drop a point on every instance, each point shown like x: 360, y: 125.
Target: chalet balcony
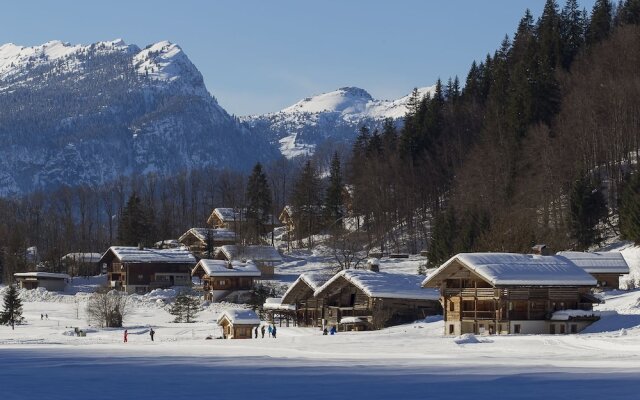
x: 490, y: 315
x: 473, y: 292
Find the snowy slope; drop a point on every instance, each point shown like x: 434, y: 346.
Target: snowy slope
x: 86, y: 114
x: 332, y: 117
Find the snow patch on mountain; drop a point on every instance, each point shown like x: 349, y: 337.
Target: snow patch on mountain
x: 333, y: 117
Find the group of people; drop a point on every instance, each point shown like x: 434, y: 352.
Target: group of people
x: 272, y: 331
x: 126, y: 334
x: 43, y: 316
x: 329, y: 332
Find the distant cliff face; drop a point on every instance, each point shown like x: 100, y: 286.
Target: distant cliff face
x: 330, y: 117
x: 74, y: 114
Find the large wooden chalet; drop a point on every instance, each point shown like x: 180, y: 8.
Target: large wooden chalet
x: 222, y: 278
x: 361, y: 299
x: 264, y: 257
x: 201, y: 240
x: 605, y: 267
x: 504, y: 293
x: 139, y: 270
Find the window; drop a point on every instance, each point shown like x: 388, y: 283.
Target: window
x: 452, y: 306
x: 140, y: 277
x: 552, y: 329
x: 516, y: 328
x: 222, y: 282
x: 574, y: 328
x: 452, y: 329
x: 562, y: 329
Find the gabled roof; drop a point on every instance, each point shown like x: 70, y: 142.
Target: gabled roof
x: 275, y: 303
x: 508, y: 269
x: 611, y: 262
x: 240, y: 317
x: 201, y: 234
x: 82, y: 257
x: 255, y: 253
x: 146, y: 255
x: 227, y: 215
x: 49, y: 275
x: 312, y: 281
x: 221, y: 268
x: 384, y: 285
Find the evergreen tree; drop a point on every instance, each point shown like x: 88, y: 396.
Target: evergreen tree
x: 629, y: 12
x: 441, y: 247
x: 306, y: 201
x: 389, y: 136
x: 333, y: 199
x: 600, y: 25
x: 136, y: 223
x: 630, y: 209
x: 572, y: 32
x: 12, y: 313
x: 587, y: 208
x: 185, y: 308
x: 259, y: 202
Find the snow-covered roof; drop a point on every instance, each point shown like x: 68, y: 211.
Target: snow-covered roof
x: 598, y: 262
x: 217, y: 234
x: 255, y: 253
x: 221, y: 268
x: 82, y: 257
x: 230, y: 214
x: 384, y: 285
x: 275, y: 303
x: 353, y: 320
x: 146, y: 255
x: 240, y: 317
x: 50, y: 275
x: 313, y: 280
x: 502, y: 269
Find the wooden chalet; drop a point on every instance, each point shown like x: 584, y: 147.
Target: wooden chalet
x: 264, y: 257
x: 139, y: 270
x: 84, y: 264
x: 300, y: 296
x: 222, y: 278
x: 238, y: 324
x: 505, y: 293
x: 290, y: 217
x: 605, y: 267
x: 200, y: 240
x: 51, y: 281
x: 235, y: 219
x: 364, y: 299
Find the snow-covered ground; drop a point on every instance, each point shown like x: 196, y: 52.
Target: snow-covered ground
x: 43, y: 359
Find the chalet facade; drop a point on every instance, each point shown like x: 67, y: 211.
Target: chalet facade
x: 220, y: 279
x: 361, y: 299
x: 82, y: 264
x: 139, y: 270
x: 238, y: 324
x: 48, y: 280
x: 605, y: 267
x: 300, y: 295
x: 504, y: 293
x: 235, y: 219
x: 264, y: 257
x: 202, y: 240
x: 304, y: 222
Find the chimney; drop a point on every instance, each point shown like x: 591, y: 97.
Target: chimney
x: 541, y: 250
x: 229, y: 265
x: 373, y: 264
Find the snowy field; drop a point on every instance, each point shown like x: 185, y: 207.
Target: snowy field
x: 43, y: 359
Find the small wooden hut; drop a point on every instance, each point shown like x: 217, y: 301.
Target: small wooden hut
x: 238, y: 324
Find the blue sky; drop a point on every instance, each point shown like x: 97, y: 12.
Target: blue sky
x: 259, y: 56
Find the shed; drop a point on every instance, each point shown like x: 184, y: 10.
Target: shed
x: 48, y: 280
x: 606, y: 267
x: 238, y: 324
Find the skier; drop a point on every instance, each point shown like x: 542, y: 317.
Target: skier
x: 333, y: 330
x: 325, y: 331
x: 274, y: 331
x: 41, y: 317
x: 125, y: 335
x: 256, y: 332
x: 151, y: 333
x: 270, y: 330
x: 262, y: 331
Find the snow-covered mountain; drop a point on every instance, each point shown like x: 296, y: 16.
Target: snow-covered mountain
x: 86, y: 114
x: 333, y: 117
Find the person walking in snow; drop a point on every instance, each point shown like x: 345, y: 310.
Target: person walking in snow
x: 46, y: 316
x: 151, y: 333
x: 270, y: 330
x: 41, y: 317
x: 333, y: 330
x: 262, y: 330
x: 125, y: 335
x: 274, y: 331
x: 256, y: 332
